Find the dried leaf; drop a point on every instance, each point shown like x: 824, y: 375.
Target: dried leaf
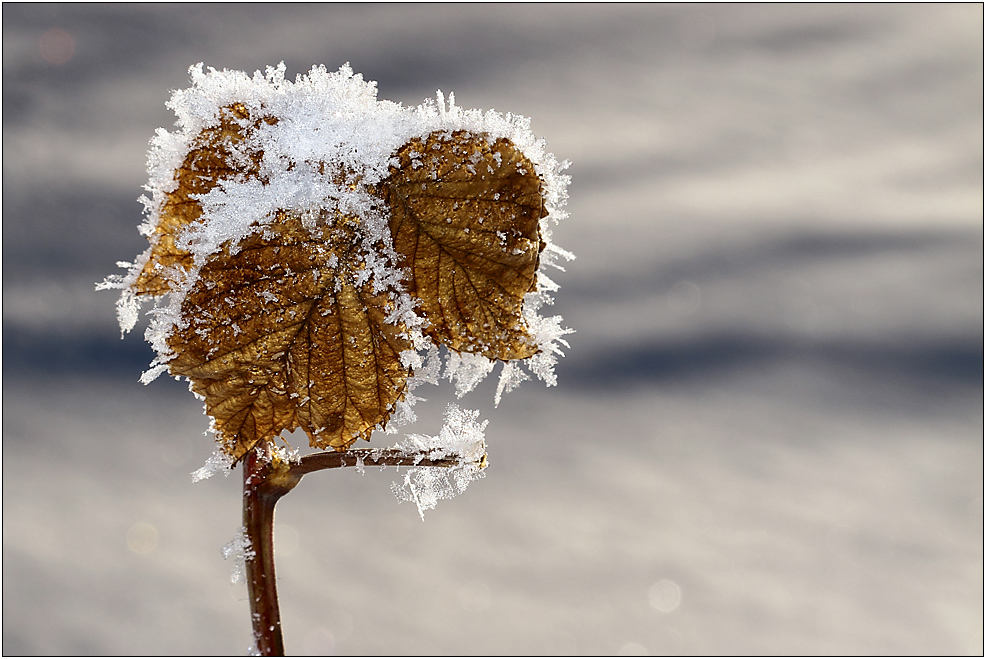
x: 283, y: 330
x: 206, y: 164
x: 465, y: 219
x: 280, y: 336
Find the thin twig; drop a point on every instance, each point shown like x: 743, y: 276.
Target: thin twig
x: 381, y: 457
x: 264, y: 484
x: 259, y: 499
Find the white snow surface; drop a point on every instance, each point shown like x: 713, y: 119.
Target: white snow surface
x: 334, y: 119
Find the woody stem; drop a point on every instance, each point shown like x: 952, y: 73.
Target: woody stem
x: 263, y: 486
x: 368, y: 457
x: 258, y: 520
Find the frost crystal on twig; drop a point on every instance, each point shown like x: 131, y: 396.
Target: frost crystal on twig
x: 284, y: 215
x: 461, y: 437
x: 217, y: 462
x: 240, y: 551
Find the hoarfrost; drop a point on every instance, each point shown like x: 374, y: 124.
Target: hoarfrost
x: 510, y: 378
x: 273, y: 452
x: 403, y: 413
x: 239, y: 550
x: 466, y: 370
x: 323, y: 124
x: 217, y: 462
x: 461, y: 438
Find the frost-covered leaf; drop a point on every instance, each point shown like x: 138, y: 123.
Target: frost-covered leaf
x: 465, y: 214
x: 205, y: 166
x: 311, y: 248
x: 280, y: 335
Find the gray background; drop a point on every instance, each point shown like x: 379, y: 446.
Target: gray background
x: 766, y: 437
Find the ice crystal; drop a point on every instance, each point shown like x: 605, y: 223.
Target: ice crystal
x: 240, y: 551
x: 323, y: 152
x: 217, y: 462
x: 461, y: 438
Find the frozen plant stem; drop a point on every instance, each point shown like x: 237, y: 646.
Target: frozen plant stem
x: 264, y: 483
x: 259, y: 497
x: 402, y: 230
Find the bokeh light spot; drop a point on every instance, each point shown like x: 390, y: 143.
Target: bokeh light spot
x: 632, y: 649
x: 57, y: 46
x: 142, y: 538
x: 665, y: 596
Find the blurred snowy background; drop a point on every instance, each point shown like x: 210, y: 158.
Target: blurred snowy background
x: 766, y: 438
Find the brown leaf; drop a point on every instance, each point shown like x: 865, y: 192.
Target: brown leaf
x: 465, y: 221
x: 279, y: 336
x: 205, y: 165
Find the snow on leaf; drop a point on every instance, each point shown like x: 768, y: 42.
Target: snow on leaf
x: 205, y: 165
x: 311, y: 248
x: 466, y: 227
x: 276, y: 339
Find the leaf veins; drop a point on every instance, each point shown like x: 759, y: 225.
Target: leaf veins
x: 279, y: 337
x: 206, y: 164
x: 283, y: 330
x: 465, y: 221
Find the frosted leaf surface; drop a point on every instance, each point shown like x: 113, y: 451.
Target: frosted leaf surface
x: 311, y: 247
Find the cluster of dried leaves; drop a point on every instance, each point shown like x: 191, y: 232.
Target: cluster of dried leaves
x: 283, y: 331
